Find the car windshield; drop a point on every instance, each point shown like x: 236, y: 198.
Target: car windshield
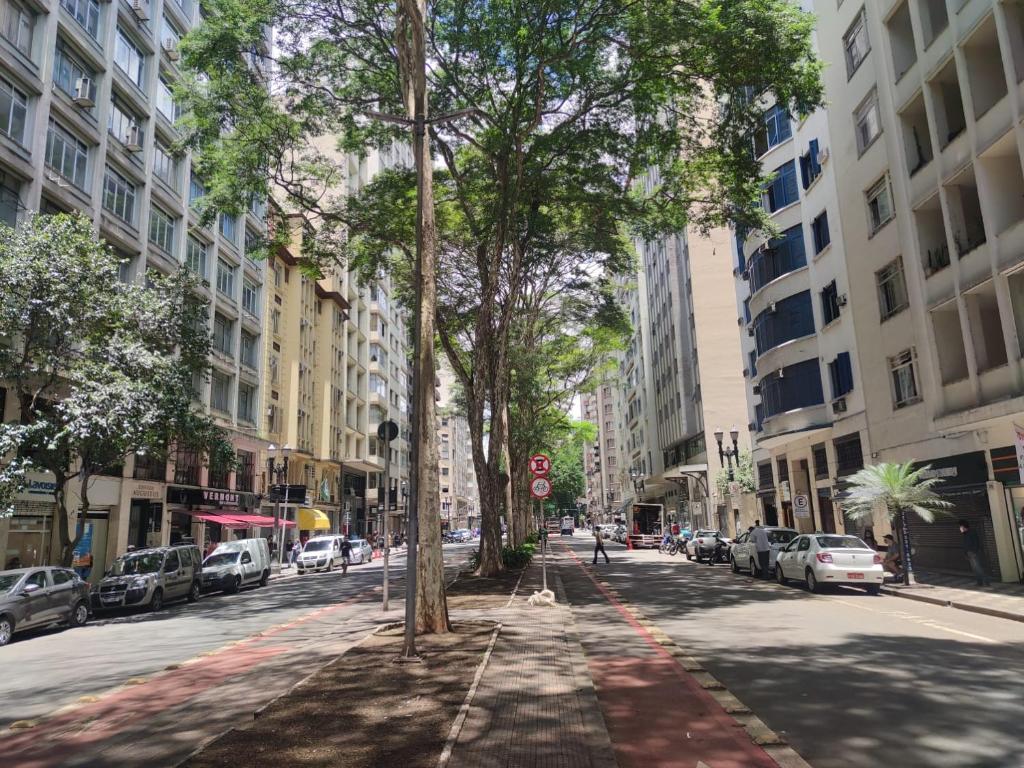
x: 129, y: 565
x: 841, y: 542
x: 221, y: 558
x: 316, y: 546
x: 8, y: 580
x: 781, y: 537
x: 707, y: 533
x: 356, y: 543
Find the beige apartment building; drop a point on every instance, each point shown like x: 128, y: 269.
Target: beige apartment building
x: 456, y: 475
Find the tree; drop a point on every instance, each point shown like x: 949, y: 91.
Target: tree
x: 898, y: 488
x: 568, y: 482
x: 100, y: 369
x: 742, y: 474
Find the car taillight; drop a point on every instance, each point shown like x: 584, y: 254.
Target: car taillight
x: 824, y: 557
x: 878, y: 559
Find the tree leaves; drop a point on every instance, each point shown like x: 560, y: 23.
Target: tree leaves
x: 893, y: 487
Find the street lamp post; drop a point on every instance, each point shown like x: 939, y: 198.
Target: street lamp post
x: 727, y: 454
x: 277, y: 473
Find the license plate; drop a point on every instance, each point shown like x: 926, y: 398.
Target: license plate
x: 855, y: 575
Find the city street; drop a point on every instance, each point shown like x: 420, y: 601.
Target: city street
x: 849, y: 680
x: 184, y: 674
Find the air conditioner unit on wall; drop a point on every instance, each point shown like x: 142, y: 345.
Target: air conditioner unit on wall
x: 83, y: 92
x: 839, y: 405
x: 141, y: 10
x: 171, y: 49
x: 841, y: 300
x: 133, y: 139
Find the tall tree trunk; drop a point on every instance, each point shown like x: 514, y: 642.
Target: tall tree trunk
x: 515, y: 535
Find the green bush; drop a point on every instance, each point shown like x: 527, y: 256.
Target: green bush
x: 518, y: 557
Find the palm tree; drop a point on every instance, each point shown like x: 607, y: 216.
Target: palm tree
x: 899, y: 488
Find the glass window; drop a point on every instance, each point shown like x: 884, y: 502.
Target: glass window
x: 220, y: 391
x: 904, y: 378
x: 68, y: 72
x: 250, y: 297
x: 249, y: 349
x: 247, y: 403
x: 782, y: 191
x: 165, y: 101
x: 223, y: 334
x: 86, y: 13
x: 856, y: 43
x: 829, y: 303
x: 819, y: 232
x: 775, y: 130
x: 13, y: 110
x: 892, y: 289
x: 169, y: 34
x: 196, y: 190
x: 879, y: 200
x: 810, y: 164
x: 121, y: 121
x: 195, y: 256
x: 229, y: 227
x: 841, y: 375
x: 129, y: 58
x: 16, y: 24
x: 165, y: 167
x: 66, y: 155
x: 10, y: 201
x: 252, y: 241
x: 161, y: 229
x: 867, y: 121
x: 226, y: 278
x: 119, y: 195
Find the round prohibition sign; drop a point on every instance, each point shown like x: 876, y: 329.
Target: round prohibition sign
x: 540, y: 488
x: 540, y: 464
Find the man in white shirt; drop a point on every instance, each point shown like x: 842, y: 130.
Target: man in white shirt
x: 764, y: 548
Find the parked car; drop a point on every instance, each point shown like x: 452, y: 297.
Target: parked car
x: 619, y: 534
x: 702, y: 544
x: 36, y: 597
x: 151, y: 577
x: 825, y: 558
x: 362, y: 552
x: 744, y: 552
x: 463, y: 535
x: 234, y: 564
x: 320, y: 553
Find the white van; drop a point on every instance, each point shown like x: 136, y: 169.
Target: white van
x: 234, y: 564
x: 320, y: 553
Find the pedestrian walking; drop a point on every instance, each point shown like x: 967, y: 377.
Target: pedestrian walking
x: 296, y: 551
x: 891, y: 561
x: 972, y: 548
x: 288, y: 552
x: 346, y: 555
x: 599, y: 545
x: 764, y: 549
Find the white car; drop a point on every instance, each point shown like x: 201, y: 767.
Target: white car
x: 320, y: 553
x: 743, y: 555
x: 362, y: 552
x: 702, y: 544
x: 828, y: 558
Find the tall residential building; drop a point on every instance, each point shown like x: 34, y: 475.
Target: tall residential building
x: 456, y: 476
x: 87, y: 124
x: 601, y: 461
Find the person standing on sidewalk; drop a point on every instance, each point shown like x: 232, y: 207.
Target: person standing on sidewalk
x: 764, y: 548
x: 599, y: 544
x: 972, y: 548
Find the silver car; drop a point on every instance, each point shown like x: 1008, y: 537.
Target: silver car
x: 151, y: 577
x: 37, y: 597
x: 362, y: 552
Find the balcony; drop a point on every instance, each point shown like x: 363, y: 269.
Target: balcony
x: 778, y: 257
x: 783, y: 321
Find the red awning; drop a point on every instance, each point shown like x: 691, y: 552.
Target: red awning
x: 227, y: 522
x: 262, y: 521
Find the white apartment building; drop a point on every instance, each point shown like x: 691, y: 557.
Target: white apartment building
x: 457, y: 489
x: 86, y: 124
x: 602, y: 459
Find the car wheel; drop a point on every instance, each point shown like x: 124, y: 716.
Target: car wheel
x: 733, y: 565
x: 812, y: 581
x: 301, y: 572
x: 79, y: 615
x: 195, y: 592
x: 157, y: 601
x: 330, y: 564
x: 236, y: 584
x: 6, y: 629
x: 874, y: 589
x: 779, y: 575
x: 264, y: 578
x: 688, y: 555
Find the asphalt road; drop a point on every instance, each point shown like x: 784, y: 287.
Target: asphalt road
x: 851, y: 681
x: 45, y: 670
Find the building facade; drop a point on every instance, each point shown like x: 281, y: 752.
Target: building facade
x: 456, y: 475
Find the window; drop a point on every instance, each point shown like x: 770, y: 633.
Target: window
x: 829, y: 303
x: 795, y: 386
x: 252, y: 241
x: 856, y: 43
x: 776, y: 129
x: 66, y: 155
x: 869, y: 126
x: 778, y: 257
x: 129, y: 58
x: 68, y: 71
x: 810, y: 166
x: 223, y: 334
x: 16, y: 23
x: 10, y: 201
x: 121, y: 121
x: 784, y: 320
x: 85, y: 12
x: 819, y: 232
x: 169, y: 34
x: 879, y: 200
x: 119, y: 195
x: 782, y: 190
x: 904, y: 379
x: 13, y: 110
x: 249, y: 349
x: 275, y: 320
x: 250, y: 297
x: 195, y: 256
x: 196, y: 190
x: 892, y: 289
x: 165, y: 167
x: 841, y: 374
x: 226, y: 278
x: 220, y: 392
x: 229, y: 227
x: 247, y: 403
x: 165, y: 101
x: 161, y: 229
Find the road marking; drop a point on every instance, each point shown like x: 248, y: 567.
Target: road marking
x: 921, y: 620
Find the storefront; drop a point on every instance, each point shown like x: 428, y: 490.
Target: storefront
x: 28, y: 535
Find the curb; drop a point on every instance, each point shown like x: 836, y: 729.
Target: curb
x: 995, y: 612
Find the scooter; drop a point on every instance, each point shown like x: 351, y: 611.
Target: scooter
x: 720, y: 552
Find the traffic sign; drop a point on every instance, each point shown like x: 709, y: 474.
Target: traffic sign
x: 540, y: 464
x: 540, y: 488
x: 801, y: 505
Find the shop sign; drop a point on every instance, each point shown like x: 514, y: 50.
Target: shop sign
x: 147, y: 491
x: 201, y: 497
x: 940, y: 472
x: 36, y: 485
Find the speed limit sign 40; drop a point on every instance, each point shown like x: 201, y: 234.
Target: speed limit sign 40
x: 540, y: 488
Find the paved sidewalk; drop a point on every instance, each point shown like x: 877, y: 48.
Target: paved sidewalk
x: 534, y: 706
x: 1003, y: 600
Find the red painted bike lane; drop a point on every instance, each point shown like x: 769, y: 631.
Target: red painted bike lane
x: 657, y: 714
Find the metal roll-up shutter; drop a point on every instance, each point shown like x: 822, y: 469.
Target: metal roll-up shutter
x: 939, y: 546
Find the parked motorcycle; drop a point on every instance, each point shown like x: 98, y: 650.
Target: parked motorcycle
x: 720, y: 552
